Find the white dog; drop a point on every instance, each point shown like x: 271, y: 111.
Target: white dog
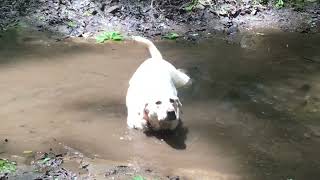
x: 152, y: 100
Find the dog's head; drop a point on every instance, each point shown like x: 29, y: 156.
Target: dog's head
x: 163, y: 113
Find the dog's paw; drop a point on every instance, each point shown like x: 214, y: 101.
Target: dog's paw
x: 130, y: 125
x: 139, y: 124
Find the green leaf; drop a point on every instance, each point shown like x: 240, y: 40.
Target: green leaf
x: 189, y: 8
x: 7, y: 166
x: 100, y: 39
x: 171, y: 36
x: 115, y: 36
x: 27, y: 152
x: 280, y: 4
x: 138, y: 178
x: 191, y: 5
x: 87, y: 13
x: 45, y: 160
x: 72, y: 24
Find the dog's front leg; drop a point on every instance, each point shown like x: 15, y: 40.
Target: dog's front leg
x: 135, y: 120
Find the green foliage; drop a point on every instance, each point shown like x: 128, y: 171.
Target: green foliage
x: 72, y: 24
x: 45, y: 160
x: 257, y: 2
x: 138, y: 178
x: 18, y: 26
x: 105, y: 36
x: 27, y: 152
x: 191, y: 5
x: 171, y: 36
x: 41, y: 18
x: 7, y: 166
x: 279, y: 4
x: 87, y: 13
x: 298, y: 4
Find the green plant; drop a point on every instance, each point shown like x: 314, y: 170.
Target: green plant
x: 41, y: 18
x: 72, y: 24
x: 279, y: 4
x: 7, y: 166
x: 27, y: 152
x: 138, y: 178
x: 87, y: 13
x: 191, y: 5
x: 198, y: 4
x: 171, y: 36
x: 115, y: 36
x: 45, y: 160
x: 17, y: 26
x: 298, y: 4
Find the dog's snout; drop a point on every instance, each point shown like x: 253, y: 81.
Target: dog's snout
x: 171, y: 115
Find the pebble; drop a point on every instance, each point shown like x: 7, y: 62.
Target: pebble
x: 307, y: 135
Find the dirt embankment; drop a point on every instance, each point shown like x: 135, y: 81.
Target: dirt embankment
x: 156, y: 18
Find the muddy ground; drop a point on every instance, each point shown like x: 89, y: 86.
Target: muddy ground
x: 69, y: 164
x: 89, y: 17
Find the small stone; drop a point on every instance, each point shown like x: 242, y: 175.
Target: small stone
x: 254, y: 12
x: 174, y: 178
x: 307, y: 135
x: 199, y: 6
x: 113, y: 9
x: 84, y: 166
x: 305, y: 87
x: 235, y: 13
x: 233, y: 29
x: 194, y: 34
x: 86, y: 35
x: 94, y: 12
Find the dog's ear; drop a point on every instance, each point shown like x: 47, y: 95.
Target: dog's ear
x: 179, y: 105
x: 145, y: 112
x: 178, y: 102
x: 145, y: 107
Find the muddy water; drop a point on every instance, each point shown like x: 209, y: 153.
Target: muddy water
x: 252, y: 112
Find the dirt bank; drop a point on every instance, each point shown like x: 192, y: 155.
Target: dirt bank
x: 66, y: 163
x: 155, y: 18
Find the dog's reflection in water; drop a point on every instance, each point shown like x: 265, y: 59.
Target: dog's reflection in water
x: 175, y: 138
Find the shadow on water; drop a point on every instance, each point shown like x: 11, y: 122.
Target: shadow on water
x: 30, y: 43
x: 256, y: 98
x: 176, y: 139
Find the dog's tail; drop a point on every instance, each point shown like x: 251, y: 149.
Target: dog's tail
x: 154, y: 52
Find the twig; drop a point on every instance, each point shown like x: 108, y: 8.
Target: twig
x: 97, y: 73
x: 311, y: 60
